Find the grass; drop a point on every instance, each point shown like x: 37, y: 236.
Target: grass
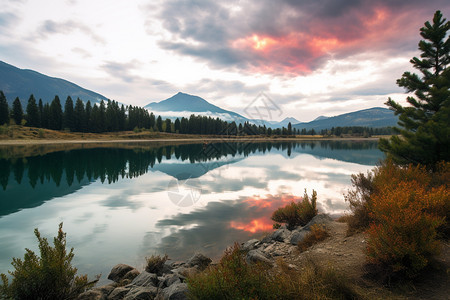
x: 318, y: 233
x: 155, y: 263
x: 234, y: 278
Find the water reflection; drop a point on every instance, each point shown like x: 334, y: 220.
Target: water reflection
x: 115, y: 205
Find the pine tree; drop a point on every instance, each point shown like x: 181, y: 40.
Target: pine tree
x: 425, y: 124
x: 41, y: 112
x: 56, y: 115
x: 159, y: 123
x: 177, y: 125
x: 32, y: 112
x: 45, y: 116
x: 168, y: 125
x: 4, y: 109
x: 17, y: 111
x: 69, y: 115
x: 102, y: 117
x: 88, y: 113
x: 79, y: 116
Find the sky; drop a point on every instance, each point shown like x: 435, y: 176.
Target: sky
x: 305, y: 58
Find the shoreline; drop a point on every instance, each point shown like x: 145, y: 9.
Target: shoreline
x: 24, y: 142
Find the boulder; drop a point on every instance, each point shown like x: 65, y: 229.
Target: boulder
x: 118, y: 271
x: 298, y: 236
x: 132, y: 274
x: 278, y: 235
x: 168, y: 280
x: 257, y: 256
x: 323, y: 219
x: 106, y: 289
x: 141, y: 293
x: 145, y: 279
x: 250, y: 245
x: 199, y: 260
x: 177, y: 291
x: 118, y: 293
x: 184, y: 272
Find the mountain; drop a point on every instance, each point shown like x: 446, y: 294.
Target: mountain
x: 372, y: 117
x: 183, y: 105
x: 320, y: 118
x: 15, y: 82
x: 285, y: 122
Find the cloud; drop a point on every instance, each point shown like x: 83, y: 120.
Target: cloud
x: 7, y: 19
x: 50, y: 27
x: 288, y: 36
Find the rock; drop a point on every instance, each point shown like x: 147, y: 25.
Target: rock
x: 118, y: 293
x: 199, y: 260
x: 257, y: 256
x: 168, y: 280
x: 250, y: 245
x: 166, y: 269
x: 183, y: 272
x: 319, y: 219
x: 298, y: 236
x: 118, y: 271
x: 145, y: 279
x: 141, y: 293
x: 106, y: 289
x: 176, y: 291
x: 92, y: 295
x: 278, y: 235
x: 132, y: 274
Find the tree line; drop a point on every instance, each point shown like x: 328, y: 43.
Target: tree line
x: 109, y: 116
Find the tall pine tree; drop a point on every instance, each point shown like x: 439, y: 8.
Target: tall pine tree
x: 79, y: 116
x: 4, y: 109
x: 69, y: 115
x: 17, y: 111
x: 32, y: 112
x: 56, y: 115
x: 425, y: 124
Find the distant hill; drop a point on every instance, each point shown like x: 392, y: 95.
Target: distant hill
x: 372, y: 117
x: 183, y: 105
x: 15, y: 82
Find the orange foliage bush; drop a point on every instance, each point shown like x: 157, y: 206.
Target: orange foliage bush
x: 406, y: 212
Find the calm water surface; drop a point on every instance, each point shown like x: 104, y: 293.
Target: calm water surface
x: 122, y: 203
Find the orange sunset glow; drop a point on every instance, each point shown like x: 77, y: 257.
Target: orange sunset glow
x: 263, y: 207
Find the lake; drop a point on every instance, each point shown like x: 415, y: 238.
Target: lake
x: 123, y: 202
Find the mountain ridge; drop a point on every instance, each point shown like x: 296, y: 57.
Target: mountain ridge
x: 16, y: 82
x: 375, y: 117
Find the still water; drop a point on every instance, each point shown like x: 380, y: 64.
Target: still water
x: 123, y: 202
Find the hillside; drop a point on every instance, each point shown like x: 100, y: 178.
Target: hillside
x: 15, y: 82
x: 373, y: 117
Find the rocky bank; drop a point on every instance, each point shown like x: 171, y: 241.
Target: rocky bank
x: 170, y: 282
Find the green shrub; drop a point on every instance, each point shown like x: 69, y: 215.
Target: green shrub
x: 297, y: 214
x: 318, y: 233
x: 50, y: 276
x: 155, y: 263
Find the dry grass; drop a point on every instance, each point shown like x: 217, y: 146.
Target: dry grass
x: 318, y: 233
